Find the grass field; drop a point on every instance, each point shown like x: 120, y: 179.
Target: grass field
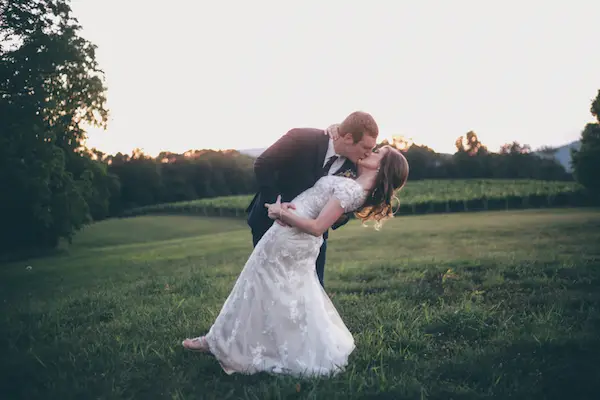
x: 416, y: 193
x: 450, y: 306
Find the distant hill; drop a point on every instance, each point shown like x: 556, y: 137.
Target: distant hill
x: 562, y: 154
x: 252, y: 152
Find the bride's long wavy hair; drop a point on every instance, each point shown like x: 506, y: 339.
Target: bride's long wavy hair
x: 392, y: 176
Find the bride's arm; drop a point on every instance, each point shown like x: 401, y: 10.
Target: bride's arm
x: 316, y: 227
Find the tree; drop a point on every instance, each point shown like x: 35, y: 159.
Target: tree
x: 470, y: 144
x: 172, y: 177
x: 140, y: 177
x: 547, y: 151
x: 515, y: 148
x: 424, y: 162
x: 50, y: 86
x: 595, y: 108
x: 401, y: 143
x: 471, y: 159
x: 100, y: 185
x: 586, y: 160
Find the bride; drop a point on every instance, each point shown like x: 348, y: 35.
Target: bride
x: 278, y: 318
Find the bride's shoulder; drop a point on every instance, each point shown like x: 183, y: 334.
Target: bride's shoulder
x: 336, y: 180
x: 345, y: 182
x: 349, y: 192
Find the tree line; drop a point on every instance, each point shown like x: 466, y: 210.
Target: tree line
x: 51, y: 185
x: 473, y: 160
x: 141, y: 180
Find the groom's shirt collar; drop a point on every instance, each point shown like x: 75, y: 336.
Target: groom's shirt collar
x: 330, y: 153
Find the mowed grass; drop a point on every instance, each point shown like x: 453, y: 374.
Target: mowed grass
x: 458, y: 306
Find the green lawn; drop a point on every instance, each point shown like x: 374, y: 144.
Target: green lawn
x: 449, y: 306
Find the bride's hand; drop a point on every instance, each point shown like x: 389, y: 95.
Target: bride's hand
x: 285, y: 207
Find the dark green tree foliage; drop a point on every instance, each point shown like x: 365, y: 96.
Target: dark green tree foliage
x: 172, y: 177
x: 50, y: 85
x: 586, y: 160
x: 473, y: 160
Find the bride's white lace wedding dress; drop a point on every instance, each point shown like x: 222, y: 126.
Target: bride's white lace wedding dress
x: 278, y: 318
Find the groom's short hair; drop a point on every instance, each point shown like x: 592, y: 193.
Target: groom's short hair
x: 359, y: 123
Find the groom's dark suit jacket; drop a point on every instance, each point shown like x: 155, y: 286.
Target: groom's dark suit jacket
x: 290, y: 166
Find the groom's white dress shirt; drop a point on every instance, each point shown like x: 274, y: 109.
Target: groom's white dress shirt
x: 337, y: 164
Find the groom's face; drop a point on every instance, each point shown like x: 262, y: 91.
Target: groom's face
x: 360, y: 149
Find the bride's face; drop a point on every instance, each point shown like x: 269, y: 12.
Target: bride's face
x: 372, y: 161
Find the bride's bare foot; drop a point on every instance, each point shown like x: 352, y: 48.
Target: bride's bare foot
x: 197, y: 344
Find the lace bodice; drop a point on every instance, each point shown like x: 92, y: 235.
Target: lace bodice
x: 310, y: 202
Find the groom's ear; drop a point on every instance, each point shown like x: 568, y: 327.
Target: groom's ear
x: 347, y: 138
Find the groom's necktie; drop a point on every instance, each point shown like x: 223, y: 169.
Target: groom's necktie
x: 327, y: 166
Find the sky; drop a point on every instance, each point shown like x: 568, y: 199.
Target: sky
x: 234, y: 74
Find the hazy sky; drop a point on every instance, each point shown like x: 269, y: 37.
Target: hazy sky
x: 239, y: 74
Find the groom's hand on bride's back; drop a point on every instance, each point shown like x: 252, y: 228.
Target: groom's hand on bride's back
x: 283, y: 206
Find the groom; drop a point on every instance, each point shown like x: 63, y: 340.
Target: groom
x: 299, y: 158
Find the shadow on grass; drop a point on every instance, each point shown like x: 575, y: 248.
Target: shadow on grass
x: 566, y: 368
x: 532, y: 334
